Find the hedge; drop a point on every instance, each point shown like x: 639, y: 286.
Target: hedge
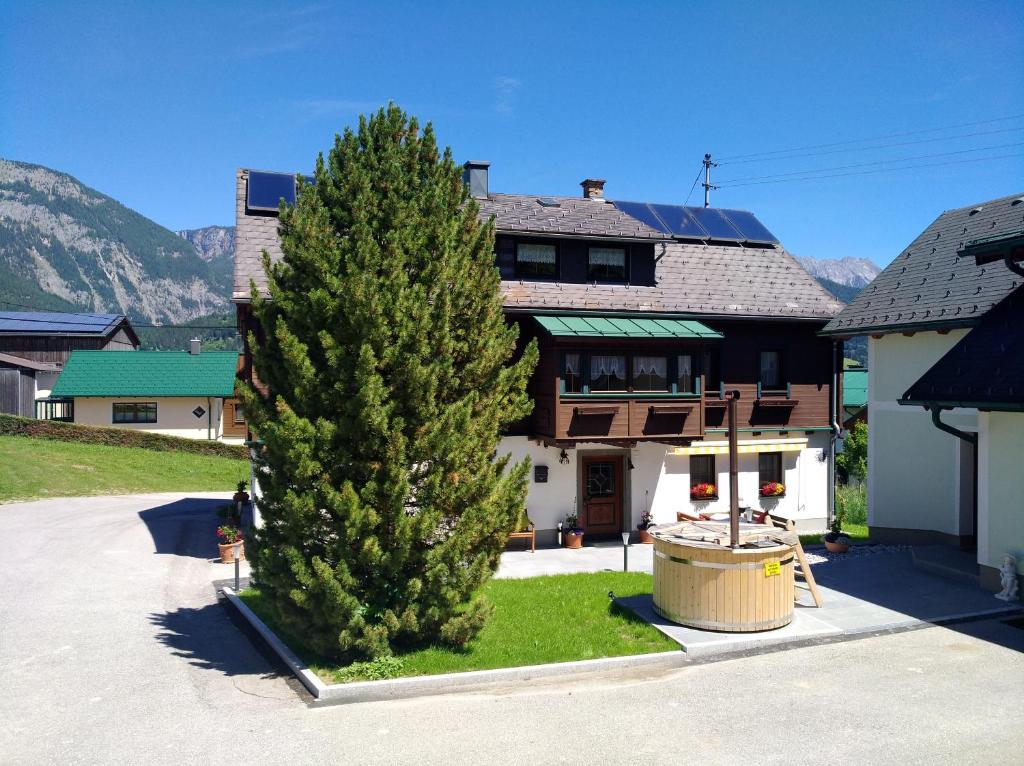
x: 12, y: 425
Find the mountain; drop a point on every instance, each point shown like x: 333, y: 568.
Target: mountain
x: 853, y: 272
x: 65, y: 246
x: 216, y: 246
x: 845, y: 293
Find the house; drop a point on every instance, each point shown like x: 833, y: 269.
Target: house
x: 178, y: 393
x: 855, y: 395
x: 946, y: 386
x: 34, y: 345
x: 645, y: 316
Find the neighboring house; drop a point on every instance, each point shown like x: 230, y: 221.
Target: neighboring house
x: 855, y: 395
x: 946, y: 369
x: 34, y: 345
x: 178, y: 393
x: 645, y: 315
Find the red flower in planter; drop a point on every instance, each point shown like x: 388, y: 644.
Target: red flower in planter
x: 704, y: 491
x: 773, y: 489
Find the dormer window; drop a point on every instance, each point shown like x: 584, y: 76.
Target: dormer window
x: 606, y: 264
x: 536, y: 261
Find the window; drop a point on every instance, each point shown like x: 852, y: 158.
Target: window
x: 606, y: 264
x: 709, y: 365
x: 769, y: 468
x: 134, y: 412
x: 684, y: 382
x: 650, y: 373
x: 607, y: 373
x: 239, y: 415
x: 536, y: 261
x: 572, y: 375
x: 771, y: 370
x: 702, y: 470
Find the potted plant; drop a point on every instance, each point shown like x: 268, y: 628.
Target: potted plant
x: 772, y: 489
x: 836, y: 540
x: 704, y: 491
x: 230, y: 535
x: 241, y: 496
x: 646, y: 522
x: 572, y: 531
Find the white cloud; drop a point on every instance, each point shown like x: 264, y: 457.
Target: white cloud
x: 506, y: 91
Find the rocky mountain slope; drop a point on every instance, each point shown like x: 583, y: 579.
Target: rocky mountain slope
x: 65, y: 246
x: 853, y: 272
x: 216, y: 246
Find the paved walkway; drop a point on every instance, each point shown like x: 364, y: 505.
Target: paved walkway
x: 114, y: 649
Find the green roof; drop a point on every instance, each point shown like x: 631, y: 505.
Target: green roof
x: 623, y: 327
x: 855, y: 388
x: 148, y: 373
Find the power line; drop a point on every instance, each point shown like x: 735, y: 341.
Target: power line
x: 876, y: 162
x: 693, y: 185
x: 875, y: 138
x: 847, y: 150
x: 877, y: 170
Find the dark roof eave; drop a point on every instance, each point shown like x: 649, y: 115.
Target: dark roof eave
x: 659, y: 314
x: 574, y: 235
x: 850, y: 332
x: 956, y: 403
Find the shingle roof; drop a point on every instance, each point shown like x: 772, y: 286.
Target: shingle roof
x: 695, y: 279
x: 985, y: 368
x: 148, y: 373
x: 58, y: 323
x: 692, y: 277
x: 11, y: 360
x: 932, y: 282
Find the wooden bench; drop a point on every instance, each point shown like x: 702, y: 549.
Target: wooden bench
x: 529, y: 534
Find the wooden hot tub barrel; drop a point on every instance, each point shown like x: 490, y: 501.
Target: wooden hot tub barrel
x: 702, y: 583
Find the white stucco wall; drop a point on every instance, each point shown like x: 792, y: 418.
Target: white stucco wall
x: 44, y: 383
x: 1000, y: 488
x: 661, y: 481
x: 174, y: 415
x: 912, y: 466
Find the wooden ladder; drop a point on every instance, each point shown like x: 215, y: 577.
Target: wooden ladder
x: 801, y: 568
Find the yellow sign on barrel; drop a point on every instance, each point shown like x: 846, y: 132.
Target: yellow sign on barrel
x: 772, y: 568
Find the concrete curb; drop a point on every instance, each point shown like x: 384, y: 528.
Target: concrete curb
x: 425, y: 686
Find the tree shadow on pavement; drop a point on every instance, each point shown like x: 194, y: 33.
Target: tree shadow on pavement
x: 209, y: 639
x: 186, y: 527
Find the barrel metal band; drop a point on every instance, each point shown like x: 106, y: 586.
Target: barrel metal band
x: 718, y: 565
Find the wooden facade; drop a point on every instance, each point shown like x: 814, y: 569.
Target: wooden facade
x: 56, y: 349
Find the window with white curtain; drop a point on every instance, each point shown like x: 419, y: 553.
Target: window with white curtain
x: 685, y: 368
x: 650, y: 373
x: 572, y: 375
x: 606, y: 264
x: 607, y: 373
x: 536, y: 260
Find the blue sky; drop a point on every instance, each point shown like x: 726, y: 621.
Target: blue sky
x: 158, y: 104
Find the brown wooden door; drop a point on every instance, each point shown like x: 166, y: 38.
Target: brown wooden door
x: 602, y: 495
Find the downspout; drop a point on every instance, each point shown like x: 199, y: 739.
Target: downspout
x: 1011, y: 264
x: 967, y: 436
x: 833, y: 409
x: 209, y: 419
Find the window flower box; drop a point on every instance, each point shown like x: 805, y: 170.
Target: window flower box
x: 703, y: 492
x: 772, y: 489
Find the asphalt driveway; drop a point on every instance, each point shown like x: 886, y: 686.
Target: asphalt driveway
x: 114, y: 649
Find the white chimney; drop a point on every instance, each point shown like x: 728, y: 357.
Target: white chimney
x: 195, y: 346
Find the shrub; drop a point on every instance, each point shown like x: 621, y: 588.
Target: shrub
x: 12, y: 425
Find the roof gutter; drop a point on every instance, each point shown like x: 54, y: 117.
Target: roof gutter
x: 1011, y: 264
x: 850, y: 332
x: 936, y: 410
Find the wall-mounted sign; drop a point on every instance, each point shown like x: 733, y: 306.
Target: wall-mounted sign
x: 540, y: 474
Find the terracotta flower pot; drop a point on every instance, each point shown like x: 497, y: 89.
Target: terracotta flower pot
x: 836, y: 547
x: 573, y: 540
x: 645, y: 537
x: 227, y: 554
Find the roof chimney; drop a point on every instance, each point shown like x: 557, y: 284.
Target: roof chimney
x: 593, y: 188
x: 195, y: 346
x: 474, y: 175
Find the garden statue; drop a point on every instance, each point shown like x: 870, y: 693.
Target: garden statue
x: 1008, y: 579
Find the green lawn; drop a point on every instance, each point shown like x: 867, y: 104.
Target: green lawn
x: 40, y: 468
x: 557, y: 618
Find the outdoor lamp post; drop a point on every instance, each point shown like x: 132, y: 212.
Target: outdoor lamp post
x: 559, y: 534
x: 236, y: 551
x: 625, y: 551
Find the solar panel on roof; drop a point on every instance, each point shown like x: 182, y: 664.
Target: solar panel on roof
x: 266, y: 190
x: 642, y: 212
x: 751, y: 228
x: 549, y: 202
x: 55, y: 322
x: 716, y: 224
x: 680, y: 221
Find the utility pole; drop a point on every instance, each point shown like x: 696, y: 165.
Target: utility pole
x: 708, y: 164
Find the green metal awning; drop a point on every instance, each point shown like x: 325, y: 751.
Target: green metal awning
x: 623, y: 327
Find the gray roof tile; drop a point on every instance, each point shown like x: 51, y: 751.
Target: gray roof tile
x: 930, y: 282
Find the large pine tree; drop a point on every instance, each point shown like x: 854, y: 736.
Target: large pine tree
x: 390, y: 375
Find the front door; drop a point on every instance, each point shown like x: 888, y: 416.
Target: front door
x: 602, y: 495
